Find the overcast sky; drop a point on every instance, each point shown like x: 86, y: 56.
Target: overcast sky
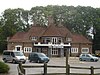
x: 28, y: 4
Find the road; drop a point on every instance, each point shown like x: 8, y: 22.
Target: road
x: 73, y: 61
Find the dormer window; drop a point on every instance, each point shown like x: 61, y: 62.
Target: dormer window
x: 59, y: 40
x: 33, y: 38
x: 69, y: 39
x: 47, y: 40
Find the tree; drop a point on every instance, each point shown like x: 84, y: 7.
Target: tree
x: 12, y: 21
x: 82, y: 20
x: 38, y: 16
x: 96, y: 30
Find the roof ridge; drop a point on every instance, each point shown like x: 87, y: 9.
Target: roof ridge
x: 46, y: 29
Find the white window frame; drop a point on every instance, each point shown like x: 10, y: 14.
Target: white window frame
x: 85, y: 51
x: 27, y: 49
x: 59, y: 39
x: 74, y: 50
x: 68, y: 39
x: 46, y: 39
x: 54, y: 51
x: 54, y: 40
x: 18, y: 46
x: 34, y: 38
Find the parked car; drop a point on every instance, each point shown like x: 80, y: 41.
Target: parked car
x: 88, y: 57
x: 13, y: 56
x: 38, y: 57
x: 98, y: 54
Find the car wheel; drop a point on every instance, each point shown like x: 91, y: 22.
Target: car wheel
x: 46, y: 61
x: 13, y: 61
x: 80, y: 59
x: 5, y: 60
x: 92, y: 60
x: 96, y: 60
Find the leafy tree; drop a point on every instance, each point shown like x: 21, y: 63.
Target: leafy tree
x: 37, y: 15
x: 12, y: 21
x: 96, y: 30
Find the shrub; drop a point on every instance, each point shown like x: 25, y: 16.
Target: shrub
x: 4, y: 68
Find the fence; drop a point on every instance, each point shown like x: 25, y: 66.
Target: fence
x: 21, y: 69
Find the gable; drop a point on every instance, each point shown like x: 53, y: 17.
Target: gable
x: 51, y: 30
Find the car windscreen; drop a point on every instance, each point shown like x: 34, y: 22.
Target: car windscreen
x: 18, y: 54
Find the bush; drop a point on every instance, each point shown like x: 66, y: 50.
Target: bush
x: 4, y: 68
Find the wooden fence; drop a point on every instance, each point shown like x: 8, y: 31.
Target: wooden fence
x: 21, y: 69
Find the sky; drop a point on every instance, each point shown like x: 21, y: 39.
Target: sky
x: 28, y: 4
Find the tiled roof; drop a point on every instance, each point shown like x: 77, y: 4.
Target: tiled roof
x: 76, y: 38
x: 36, y: 31
x: 64, y: 31
x: 51, y: 30
x: 19, y: 36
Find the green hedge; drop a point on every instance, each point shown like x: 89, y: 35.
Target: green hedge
x: 4, y: 68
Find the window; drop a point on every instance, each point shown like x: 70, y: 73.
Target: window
x: 59, y: 40
x: 34, y: 38
x: 6, y: 53
x: 83, y: 55
x: 35, y: 55
x: 18, y: 48
x: 54, y: 51
x: 47, y: 40
x: 85, y: 50
x: 69, y: 39
x: 54, y: 40
x: 27, y: 49
x: 38, y: 50
x: 12, y: 54
x: 87, y: 56
x: 74, y: 50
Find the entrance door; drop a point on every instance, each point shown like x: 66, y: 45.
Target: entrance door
x: 55, y: 51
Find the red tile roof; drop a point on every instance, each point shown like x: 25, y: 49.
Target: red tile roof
x: 52, y: 30
x: 76, y: 38
x: 64, y: 31
x: 36, y: 30
x: 19, y: 36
